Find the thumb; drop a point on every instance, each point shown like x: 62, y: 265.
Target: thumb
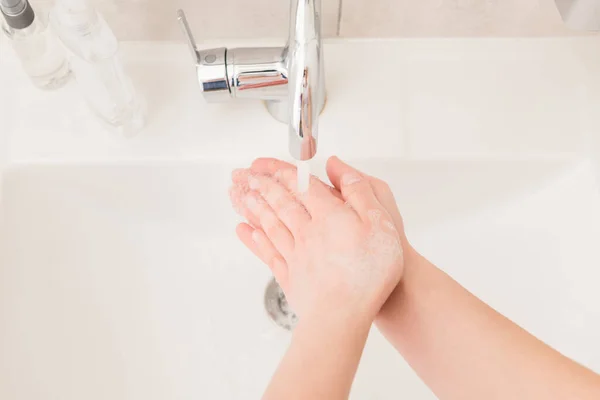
x: 354, y: 186
x: 336, y: 169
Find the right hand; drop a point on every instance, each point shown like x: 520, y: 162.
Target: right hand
x: 306, y: 252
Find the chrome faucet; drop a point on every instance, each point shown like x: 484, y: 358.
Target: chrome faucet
x: 289, y: 79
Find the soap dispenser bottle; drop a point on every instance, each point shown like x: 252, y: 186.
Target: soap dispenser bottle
x: 39, y: 51
x: 92, y: 51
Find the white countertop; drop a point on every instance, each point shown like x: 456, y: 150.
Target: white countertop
x: 417, y: 98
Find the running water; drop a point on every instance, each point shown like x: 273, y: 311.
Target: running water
x: 303, y: 178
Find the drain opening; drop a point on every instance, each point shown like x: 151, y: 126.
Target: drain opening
x: 278, y: 307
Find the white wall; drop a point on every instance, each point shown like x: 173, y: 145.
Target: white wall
x: 7, y: 113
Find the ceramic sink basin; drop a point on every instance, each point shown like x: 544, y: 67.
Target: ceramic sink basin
x: 126, y: 280
x: 120, y: 274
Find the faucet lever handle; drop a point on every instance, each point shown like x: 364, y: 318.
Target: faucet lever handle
x: 211, y: 66
x: 187, y: 32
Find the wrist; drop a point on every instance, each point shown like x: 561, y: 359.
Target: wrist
x: 335, y: 323
x: 412, y: 262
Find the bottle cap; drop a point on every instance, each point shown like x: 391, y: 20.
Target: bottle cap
x: 17, y: 13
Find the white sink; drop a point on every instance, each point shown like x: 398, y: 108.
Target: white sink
x: 126, y: 281
x: 120, y: 273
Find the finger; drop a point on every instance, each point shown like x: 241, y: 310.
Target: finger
x: 237, y: 194
x: 239, y: 177
x: 387, y: 200
x: 335, y: 168
x: 261, y: 246
x: 319, y: 197
x: 270, y: 166
x: 286, y: 206
x: 382, y: 191
x: 289, y: 178
x: 354, y: 186
x: 244, y: 233
x: 271, y: 225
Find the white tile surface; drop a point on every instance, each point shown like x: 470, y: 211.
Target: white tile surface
x: 156, y: 20
x: 365, y: 97
x: 496, y: 96
x: 443, y: 18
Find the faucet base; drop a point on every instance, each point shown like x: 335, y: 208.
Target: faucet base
x: 279, y: 109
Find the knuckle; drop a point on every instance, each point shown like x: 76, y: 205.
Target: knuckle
x: 351, y: 179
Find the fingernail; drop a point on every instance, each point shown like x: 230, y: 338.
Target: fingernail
x: 336, y: 158
x: 251, y: 203
x: 253, y: 183
x: 350, y: 178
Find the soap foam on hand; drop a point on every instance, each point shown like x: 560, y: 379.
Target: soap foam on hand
x: 303, y: 175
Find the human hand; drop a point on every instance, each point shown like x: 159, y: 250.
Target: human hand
x: 332, y: 251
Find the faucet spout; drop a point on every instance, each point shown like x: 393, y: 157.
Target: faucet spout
x: 306, y: 93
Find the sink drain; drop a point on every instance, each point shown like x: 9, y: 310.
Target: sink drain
x: 278, y: 308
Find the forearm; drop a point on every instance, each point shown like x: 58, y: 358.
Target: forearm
x: 321, y: 361
x: 463, y: 349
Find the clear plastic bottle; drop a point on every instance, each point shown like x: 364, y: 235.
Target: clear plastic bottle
x: 40, y: 52
x: 92, y: 51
